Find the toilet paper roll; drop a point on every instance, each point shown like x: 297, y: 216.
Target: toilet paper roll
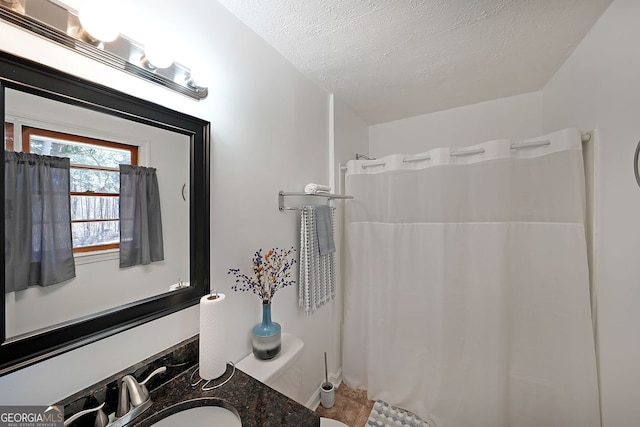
x: 213, y: 333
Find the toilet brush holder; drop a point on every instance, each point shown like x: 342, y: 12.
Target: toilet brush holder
x: 327, y: 395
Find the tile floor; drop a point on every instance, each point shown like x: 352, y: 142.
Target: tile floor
x: 351, y: 407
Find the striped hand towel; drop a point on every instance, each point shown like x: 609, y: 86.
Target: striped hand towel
x: 317, y: 282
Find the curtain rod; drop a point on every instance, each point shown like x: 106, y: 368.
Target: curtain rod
x: 584, y: 136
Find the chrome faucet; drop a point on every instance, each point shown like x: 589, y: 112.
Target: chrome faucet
x: 130, y: 394
x: 133, y: 397
x: 133, y: 400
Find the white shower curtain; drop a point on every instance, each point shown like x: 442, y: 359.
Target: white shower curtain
x: 467, y: 285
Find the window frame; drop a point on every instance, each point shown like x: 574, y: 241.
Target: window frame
x: 9, y: 138
x: 28, y: 131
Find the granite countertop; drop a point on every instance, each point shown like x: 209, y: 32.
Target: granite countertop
x: 256, y: 404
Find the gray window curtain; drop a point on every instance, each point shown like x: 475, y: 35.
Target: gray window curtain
x: 37, y: 221
x: 140, y: 218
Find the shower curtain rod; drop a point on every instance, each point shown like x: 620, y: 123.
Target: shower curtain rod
x: 585, y: 137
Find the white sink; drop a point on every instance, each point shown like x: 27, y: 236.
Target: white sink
x: 201, y: 416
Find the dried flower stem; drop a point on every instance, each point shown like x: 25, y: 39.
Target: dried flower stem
x: 271, y: 272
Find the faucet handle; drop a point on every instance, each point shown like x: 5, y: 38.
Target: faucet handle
x: 145, y: 390
x: 161, y: 370
x: 100, y: 418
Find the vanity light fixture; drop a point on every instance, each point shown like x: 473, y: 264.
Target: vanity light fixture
x: 190, y: 81
x: 85, y: 32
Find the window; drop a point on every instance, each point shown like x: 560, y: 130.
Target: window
x: 8, y: 136
x: 95, y: 183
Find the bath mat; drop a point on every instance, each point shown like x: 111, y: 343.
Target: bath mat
x: 383, y: 415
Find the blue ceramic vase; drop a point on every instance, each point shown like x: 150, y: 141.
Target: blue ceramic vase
x: 266, y: 336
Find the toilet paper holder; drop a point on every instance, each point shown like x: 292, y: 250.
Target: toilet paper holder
x: 205, y: 385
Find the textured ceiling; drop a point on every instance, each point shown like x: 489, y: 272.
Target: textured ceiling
x: 391, y: 59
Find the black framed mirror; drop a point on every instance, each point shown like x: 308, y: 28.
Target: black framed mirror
x: 34, y: 79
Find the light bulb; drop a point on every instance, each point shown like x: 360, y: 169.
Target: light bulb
x: 200, y: 74
x: 157, y: 55
x: 98, y: 18
x: 199, y: 77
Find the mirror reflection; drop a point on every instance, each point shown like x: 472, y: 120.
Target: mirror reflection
x: 96, y: 145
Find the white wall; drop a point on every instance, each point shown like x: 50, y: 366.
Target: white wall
x: 516, y: 117
x: 270, y: 132
x: 351, y: 136
x: 598, y: 88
